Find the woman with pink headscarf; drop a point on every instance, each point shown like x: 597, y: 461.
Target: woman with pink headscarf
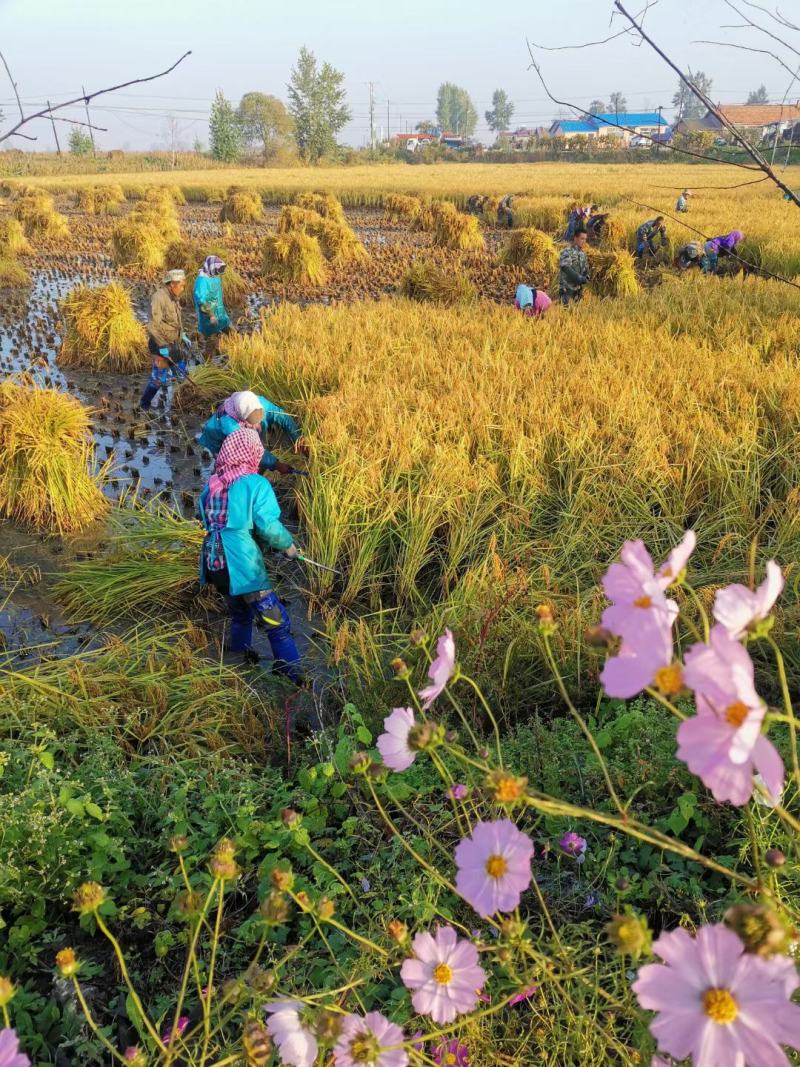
x: 241, y: 516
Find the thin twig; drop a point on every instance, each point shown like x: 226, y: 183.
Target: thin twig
x: 591, y: 44
x: 749, y: 48
x: 761, y: 29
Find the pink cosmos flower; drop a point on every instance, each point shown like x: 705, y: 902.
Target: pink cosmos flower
x: 644, y: 654
x: 296, y: 1043
x: 10, y: 1055
x: 368, y: 1042
x: 393, y: 745
x: 183, y: 1022
x: 717, y: 1003
x: 457, y: 791
x: 723, y: 743
x: 452, y: 1054
x: 444, y: 973
x: 574, y: 845
x: 526, y: 994
x: 494, y: 866
x: 736, y: 607
x: 441, y: 670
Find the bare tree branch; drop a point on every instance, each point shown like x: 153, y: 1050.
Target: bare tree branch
x: 776, y: 17
x: 729, y: 126
x: 47, y: 111
x: 761, y: 29
x: 749, y: 48
x: 77, y: 122
x: 591, y: 44
x: 16, y: 91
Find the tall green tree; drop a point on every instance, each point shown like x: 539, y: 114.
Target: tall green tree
x: 264, y: 122
x: 317, y: 105
x: 80, y: 143
x: 224, y: 136
x: 759, y: 96
x: 455, y: 111
x: 617, y: 103
x: 686, y: 104
x: 499, y: 118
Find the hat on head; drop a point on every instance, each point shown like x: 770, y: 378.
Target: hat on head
x: 174, y: 276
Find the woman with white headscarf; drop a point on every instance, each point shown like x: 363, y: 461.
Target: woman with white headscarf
x: 246, y: 409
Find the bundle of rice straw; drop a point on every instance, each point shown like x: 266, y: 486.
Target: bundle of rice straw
x: 323, y: 203
x: 47, y: 460
x: 160, y: 215
x: 39, y: 217
x: 337, y: 240
x: 297, y: 218
x: 100, y: 199
x: 613, y: 234
x: 613, y: 273
x: 534, y: 251
x: 12, y: 274
x: 242, y: 207
x: 451, y: 229
x: 138, y: 244
x: 398, y: 206
x: 101, y: 330
x: 424, y: 281
x: 12, y: 238
x: 294, y: 257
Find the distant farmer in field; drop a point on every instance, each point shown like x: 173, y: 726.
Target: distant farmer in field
x: 576, y: 220
x: 682, y: 203
x: 165, y: 336
x: 573, y: 269
x: 476, y: 204
x: 505, y: 216
x: 725, y: 245
x: 247, y: 410
x: 646, y: 236
x: 212, y: 318
x: 595, y: 226
x: 241, y: 516
x: 532, y: 302
x: 691, y: 255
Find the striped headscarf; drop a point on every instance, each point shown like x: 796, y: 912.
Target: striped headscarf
x: 212, y: 266
x: 241, y: 454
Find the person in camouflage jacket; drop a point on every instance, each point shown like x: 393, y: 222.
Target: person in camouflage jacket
x: 573, y: 269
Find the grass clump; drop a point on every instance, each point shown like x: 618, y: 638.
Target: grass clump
x: 294, y: 257
x: 101, y: 330
x: 613, y: 273
x: 13, y: 241
x: 189, y: 255
x: 242, y: 207
x: 534, y: 251
x: 12, y: 274
x: 47, y: 460
x: 453, y: 229
x: 424, y: 281
x: 39, y: 218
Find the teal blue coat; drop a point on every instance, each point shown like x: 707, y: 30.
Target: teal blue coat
x: 208, y: 292
x: 253, y: 523
x: 219, y: 426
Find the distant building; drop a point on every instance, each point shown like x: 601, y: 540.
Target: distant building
x: 522, y: 137
x: 414, y: 141
x: 758, y: 121
x: 572, y: 128
x: 607, y: 124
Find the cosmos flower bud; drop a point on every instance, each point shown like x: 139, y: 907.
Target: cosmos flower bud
x: 289, y: 817
x: 760, y: 928
x: 506, y: 788
x: 222, y: 864
x: 274, y: 909
x: 598, y: 637
x: 398, y: 931
x: 135, y: 1056
x: 359, y: 762
x: 326, y: 909
x: 233, y: 990
x: 774, y: 857
x: 425, y: 735
x: 260, y: 981
x: 622, y: 884
x: 512, y: 929
x: 178, y: 843
x: 67, y: 962
x: 304, y: 900
x: 282, y: 879
x: 630, y: 934
x: 257, y: 1044
x: 418, y: 637
x: 400, y: 667
x: 188, y: 904
x: 7, y: 991
x: 88, y: 898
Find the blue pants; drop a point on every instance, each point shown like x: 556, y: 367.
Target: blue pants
x: 160, y: 377
x: 710, y: 262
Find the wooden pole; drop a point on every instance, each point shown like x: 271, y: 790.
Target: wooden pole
x: 55, y: 134
x: 89, y: 121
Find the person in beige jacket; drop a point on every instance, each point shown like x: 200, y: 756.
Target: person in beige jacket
x: 165, y: 335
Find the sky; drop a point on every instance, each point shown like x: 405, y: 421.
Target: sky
x: 405, y: 49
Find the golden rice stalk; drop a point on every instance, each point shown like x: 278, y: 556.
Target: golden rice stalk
x: 425, y: 219
x: 338, y: 242
x: 39, y: 218
x: 242, y: 207
x: 454, y: 230
x: 297, y: 218
x: 424, y: 281
x: 12, y: 238
x: 12, y: 274
x: 534, y: 251
x: 613, y: 273
x: 47, y: 460
x: 613, y: 235
x: 294, y: 257
x: 490, y: 207
x: 398, y: 206
x: 548, y: 214
x: 159, y: 214
x: 189, y: 256
x: 138, y: 244
x: 323, y: 203
x: 101, y: 330
x: 99, y: 199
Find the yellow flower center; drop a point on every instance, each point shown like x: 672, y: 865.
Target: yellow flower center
x: 443, y: 974
x: 507, y: 789
x: 643, y: 602
x: 736, y: 714
x: 720, y: 1006
x: 364, y: 1048
x: 449, y: 1058
x: 669, y: 680
x: 496, y: 866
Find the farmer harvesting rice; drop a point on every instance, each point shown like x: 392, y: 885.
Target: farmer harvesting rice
x: 725, y: 245
x: 212, y: 318
x: 241, y: 516
x: 573, y: 269
x: 165, y: 335
x: 532, y: 302
x: 647, y: 233
x: 505, y: 216
x: 576, y: 220
x: 246, y: 410
x: 682, y: 203
x: 595, y: 225
x: 691, y: 255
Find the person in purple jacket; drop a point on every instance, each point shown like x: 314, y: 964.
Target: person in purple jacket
x: 717, y: 246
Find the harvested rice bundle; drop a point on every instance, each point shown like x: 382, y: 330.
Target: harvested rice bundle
x: 454, y: 230
x: 161, y: 215
x: 425, y: 281
x: 294, y: 257
x: 613, y: 234
x: 613, y: 273
x: 242, y: 207
x: 425, y: 219
x: 12, y: 238
x: 13, y: 275
x: 47, y: 460
x: 138, y: 244
x: 189, y: 256
x: 490, y: 206
x: 101, y: 330
x: 532, y: 250
x: 297, y: 218
x: 200, y: 392
x: 338, y: 242
x: 398, y: 206
x: 100, y: 199
x: 39, y: 218
x: 323, y: 203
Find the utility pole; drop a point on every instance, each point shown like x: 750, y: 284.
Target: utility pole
x: 388, y: 127
x: 55, y: 134
x: 658, y: 142
x: 91, y: 131
x: 371, y: 115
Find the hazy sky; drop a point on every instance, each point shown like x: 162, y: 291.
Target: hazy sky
x: 405, y: 48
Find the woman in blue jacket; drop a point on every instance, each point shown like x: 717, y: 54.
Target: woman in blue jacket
x: 241, y: 516
x: 212, y: 318
x: 246, y: 409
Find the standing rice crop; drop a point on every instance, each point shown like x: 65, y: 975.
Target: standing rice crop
x: 242, y: 207
x: 534, y: 251
x: 294, y: 257
x: 102, y: 331
x: 425, y: 281
x: 47, y: 460
x: 13, y: 241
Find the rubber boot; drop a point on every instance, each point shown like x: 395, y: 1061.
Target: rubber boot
x: 272, y: 614
x: 149, y: 394
x: 241, y: 624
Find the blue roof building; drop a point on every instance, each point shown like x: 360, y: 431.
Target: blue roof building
x: 608, y: 123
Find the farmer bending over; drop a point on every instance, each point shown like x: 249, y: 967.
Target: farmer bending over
x: 647, y: 233
x: 165, y: 335
x: 241, y: 516
x: 725, y: 245
x: 682, y: 203
x: 247, y: 410
x: 573, y: 269
x: 212, y: 318
x: 691, y: 255
x: 532, y: 302
x: 505, y: 216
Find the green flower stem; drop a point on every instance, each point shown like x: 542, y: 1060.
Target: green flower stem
x: 654, y: 693
x: 6, y: 1020
x: 787, y: 704
x: 191, y: 963
x: 101, y: 1037
x: 331, y: 870
x: 127, y: 979
x: 580, y: 721
x: 206, y: 1000
x: 476, y: 689
x: 419, y: 826
x: 344, y: 929
x: 465, y: 721
x: 698, y: 604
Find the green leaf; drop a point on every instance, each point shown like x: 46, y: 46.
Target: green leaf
x: 364, y: 735
x: 94, y: 810
x: 338, y: 789
x: 75, y: 807
x: 46, y: 759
